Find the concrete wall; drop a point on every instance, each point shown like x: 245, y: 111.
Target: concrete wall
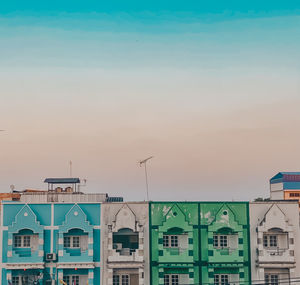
x: 267, y: 215
x: 116, y: 216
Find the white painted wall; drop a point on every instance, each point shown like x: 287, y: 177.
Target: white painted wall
x: 265, y: 215
x: 134, y: 216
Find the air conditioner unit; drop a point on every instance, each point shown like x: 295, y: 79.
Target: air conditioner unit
x: 50, y: 256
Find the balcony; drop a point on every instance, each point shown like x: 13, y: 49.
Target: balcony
x: 177, y: 254
x: 273, y: 256
x: 25, y: 248
x: 125, y: 256
x: 225, y: 255
x: 126, y: 247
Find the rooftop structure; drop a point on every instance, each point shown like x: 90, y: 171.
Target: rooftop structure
x: 285, y: 186
x: 73, y: 184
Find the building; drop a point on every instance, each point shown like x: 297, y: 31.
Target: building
x: 52, y: 236
x: 285, y: 186
x: 274, y: 235
x: 125, y: 244
x: 174, y: 243
x: 194, y: 243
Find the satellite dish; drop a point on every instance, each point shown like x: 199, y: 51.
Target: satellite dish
x: 12, y: 187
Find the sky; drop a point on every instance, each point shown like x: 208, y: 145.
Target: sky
x: 209, y: 88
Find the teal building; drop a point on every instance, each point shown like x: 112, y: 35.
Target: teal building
x: 43, y: 243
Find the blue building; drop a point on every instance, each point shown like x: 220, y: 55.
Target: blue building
x: 44, y: 242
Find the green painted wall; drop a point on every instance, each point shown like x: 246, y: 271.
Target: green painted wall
x: 198, y: 221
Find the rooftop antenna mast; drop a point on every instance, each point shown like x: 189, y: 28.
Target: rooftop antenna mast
x: 144, y: 161
x: 70, y: 168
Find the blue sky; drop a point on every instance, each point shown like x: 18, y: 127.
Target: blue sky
x: 208, y: 88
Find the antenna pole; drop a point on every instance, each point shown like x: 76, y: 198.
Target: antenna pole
x: 70, y: 168
x: 146, y: 174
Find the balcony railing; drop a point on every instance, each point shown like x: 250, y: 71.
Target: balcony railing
x: 175, y: 250
x: 226, y: 250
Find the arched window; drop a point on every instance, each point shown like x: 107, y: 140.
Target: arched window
x: 76, y: 241
x: 225, y: 238
x: 275, y: 238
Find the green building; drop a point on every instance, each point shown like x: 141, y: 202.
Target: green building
x: 199, y: 243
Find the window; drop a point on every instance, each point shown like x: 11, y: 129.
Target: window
x: 26, y: 241
x: 15, y: 280
x: 71, y: 279
x: 271, y: 279
x: 171, y: 279
x: 220, y: 241
x: 124, y: 278
x: 75, y: 280
x: 76, y: 242
x: 66, y: 279
x: 270, y: 241
x: 18, y: 241
x: 116, y: 280
x: 72, y: 241
x: 22, y: 241
x: 170, y: 241
x: 166, y: 241
x: 221, y: 279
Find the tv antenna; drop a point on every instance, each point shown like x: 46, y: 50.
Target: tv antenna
x: 144, y: 161
x: 70, y: 162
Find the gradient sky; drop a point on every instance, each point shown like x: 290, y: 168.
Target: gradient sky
x: 210, y: 89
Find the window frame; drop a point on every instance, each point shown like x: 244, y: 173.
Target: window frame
x: 221, y: 279
x: 220, y: 241
x: 270, y: 241
x: 272, y: 278
x: 72, y: 242
x: 121, y: 279
x: 171, y: 279
x: 21, y: 241
x: 69, y: 279
x: 171, y: 241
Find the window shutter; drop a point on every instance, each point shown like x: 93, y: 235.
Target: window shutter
x: 84, y: 242
x: 184, y: 279
x: 34, y: 242
x: 234, y: 279
x: 183, y: 241
x: 233, y: 241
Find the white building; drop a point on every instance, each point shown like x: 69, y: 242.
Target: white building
x: 275, y: 240
x: 125, y: 252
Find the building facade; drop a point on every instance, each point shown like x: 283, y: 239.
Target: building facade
x: 225, y: 243
x: 125, y: 243
x: 274, y: 236
x: 43, y: 243
x: 199, y: 243
x: 285, y: 186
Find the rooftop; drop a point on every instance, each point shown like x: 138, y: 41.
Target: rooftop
x: 285, y: 177
x: 62, y: 180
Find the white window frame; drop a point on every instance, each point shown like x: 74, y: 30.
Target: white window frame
x: 171, y: 279
x: 220, y: 241
x: 69, y: 279
x: 73, y: 240
x: 22, y: 241
x: 15, y: 280
x: 171, y: 241
x: 272, y: 278
x: 270, y: 241
x: 121, y: 279
x: 221, y: 279
x: 18, y: 280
